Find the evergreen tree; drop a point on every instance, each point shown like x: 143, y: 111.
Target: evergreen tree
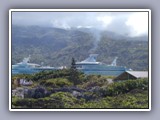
x: 73, y: 64
x: 74, y: 74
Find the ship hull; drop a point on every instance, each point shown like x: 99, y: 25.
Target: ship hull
x: 101, y: 69
x: 104, y: 72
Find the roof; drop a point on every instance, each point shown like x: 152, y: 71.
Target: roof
x: 139, y: 74
x: 131, y: 75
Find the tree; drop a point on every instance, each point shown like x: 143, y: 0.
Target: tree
x: 74, y: 74
x: 73, y: 64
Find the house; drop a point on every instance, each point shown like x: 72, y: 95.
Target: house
x: 25, y: 82
x: 127, y: 75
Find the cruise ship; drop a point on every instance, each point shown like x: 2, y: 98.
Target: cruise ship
x: 91, y: 66
x: 25, y: 67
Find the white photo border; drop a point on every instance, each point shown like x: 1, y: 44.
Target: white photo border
x: 78, y: 10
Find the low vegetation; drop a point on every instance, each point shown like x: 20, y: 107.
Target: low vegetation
x: 54, y: 89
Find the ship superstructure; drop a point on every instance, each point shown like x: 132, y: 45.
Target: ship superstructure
x: 91, y: 66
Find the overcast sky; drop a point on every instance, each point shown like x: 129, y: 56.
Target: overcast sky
x: 127, y: 23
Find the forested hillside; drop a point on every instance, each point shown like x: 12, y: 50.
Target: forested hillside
x: 56, y: 47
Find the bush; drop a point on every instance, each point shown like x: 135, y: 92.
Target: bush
x: 56, y: 100
x: 94, y: 80
x: 44, y: 75
x: 123, y: 87
x: 56, y: 83
x: 39, y: 92
x: 63, y: 100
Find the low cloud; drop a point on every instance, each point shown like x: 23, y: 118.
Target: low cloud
x: 125, y: 23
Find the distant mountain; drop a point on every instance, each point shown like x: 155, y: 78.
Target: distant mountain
x: 115, y: 36
x: 139, y: 38
x: 56, y: 47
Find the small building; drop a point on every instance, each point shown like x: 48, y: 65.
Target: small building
x: 25, y: 82
x: 128, y: 75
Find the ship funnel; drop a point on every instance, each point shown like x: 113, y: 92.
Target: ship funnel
x: 114, y: 63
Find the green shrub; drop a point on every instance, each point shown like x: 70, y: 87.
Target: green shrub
x: 44, y: 75
x: 124, y: 87
x: 130, y: 100
x: 56, y: 83
x: 93, y: 81
x: 56, y: 100
x: 63, y: 100
x: 125, y: 101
